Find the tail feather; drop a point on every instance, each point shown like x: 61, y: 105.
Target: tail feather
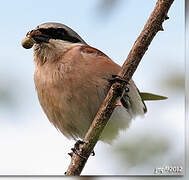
x: 151, y: 97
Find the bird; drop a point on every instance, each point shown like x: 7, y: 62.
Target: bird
x: 72, y: 79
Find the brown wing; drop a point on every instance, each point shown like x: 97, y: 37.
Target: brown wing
x: 102, y: 62
x: 108, y: 68
x: 93, y: 51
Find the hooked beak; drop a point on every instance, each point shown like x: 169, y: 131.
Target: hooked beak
x: 34, y: 36
x: 38, y: 36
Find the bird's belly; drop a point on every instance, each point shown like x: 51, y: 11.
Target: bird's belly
x: 72, y: 108
x: 73, y: 118
x: 70, y: 112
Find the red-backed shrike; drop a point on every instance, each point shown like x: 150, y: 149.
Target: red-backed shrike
x: 72, y: 80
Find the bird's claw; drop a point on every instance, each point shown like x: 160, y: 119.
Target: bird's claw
x: 76, y: 149
x: 93, y: 153
x: 78, y: 143
x: 117, y: 78
x: 127, y: 90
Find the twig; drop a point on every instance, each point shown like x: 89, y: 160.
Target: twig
x: 153, y: 25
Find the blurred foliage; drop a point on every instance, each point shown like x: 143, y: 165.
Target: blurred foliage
x: 105, y: 8
x: 141, y: 149
x: 6, y: 95
x: 174, y: 81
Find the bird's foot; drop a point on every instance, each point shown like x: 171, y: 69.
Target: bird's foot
x: 117, y: 78
x: 76, y: 149
x: 78, y: 143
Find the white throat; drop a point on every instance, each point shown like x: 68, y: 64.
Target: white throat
x: 52, y: 51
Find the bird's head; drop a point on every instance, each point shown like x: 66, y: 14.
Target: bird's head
x: 49, y: 39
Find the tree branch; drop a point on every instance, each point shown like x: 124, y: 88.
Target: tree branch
x: 153, y: 25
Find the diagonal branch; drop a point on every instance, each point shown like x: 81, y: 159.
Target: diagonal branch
x: 153, y: 25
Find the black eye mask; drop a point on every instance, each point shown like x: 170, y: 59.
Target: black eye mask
x: 58, y: 33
